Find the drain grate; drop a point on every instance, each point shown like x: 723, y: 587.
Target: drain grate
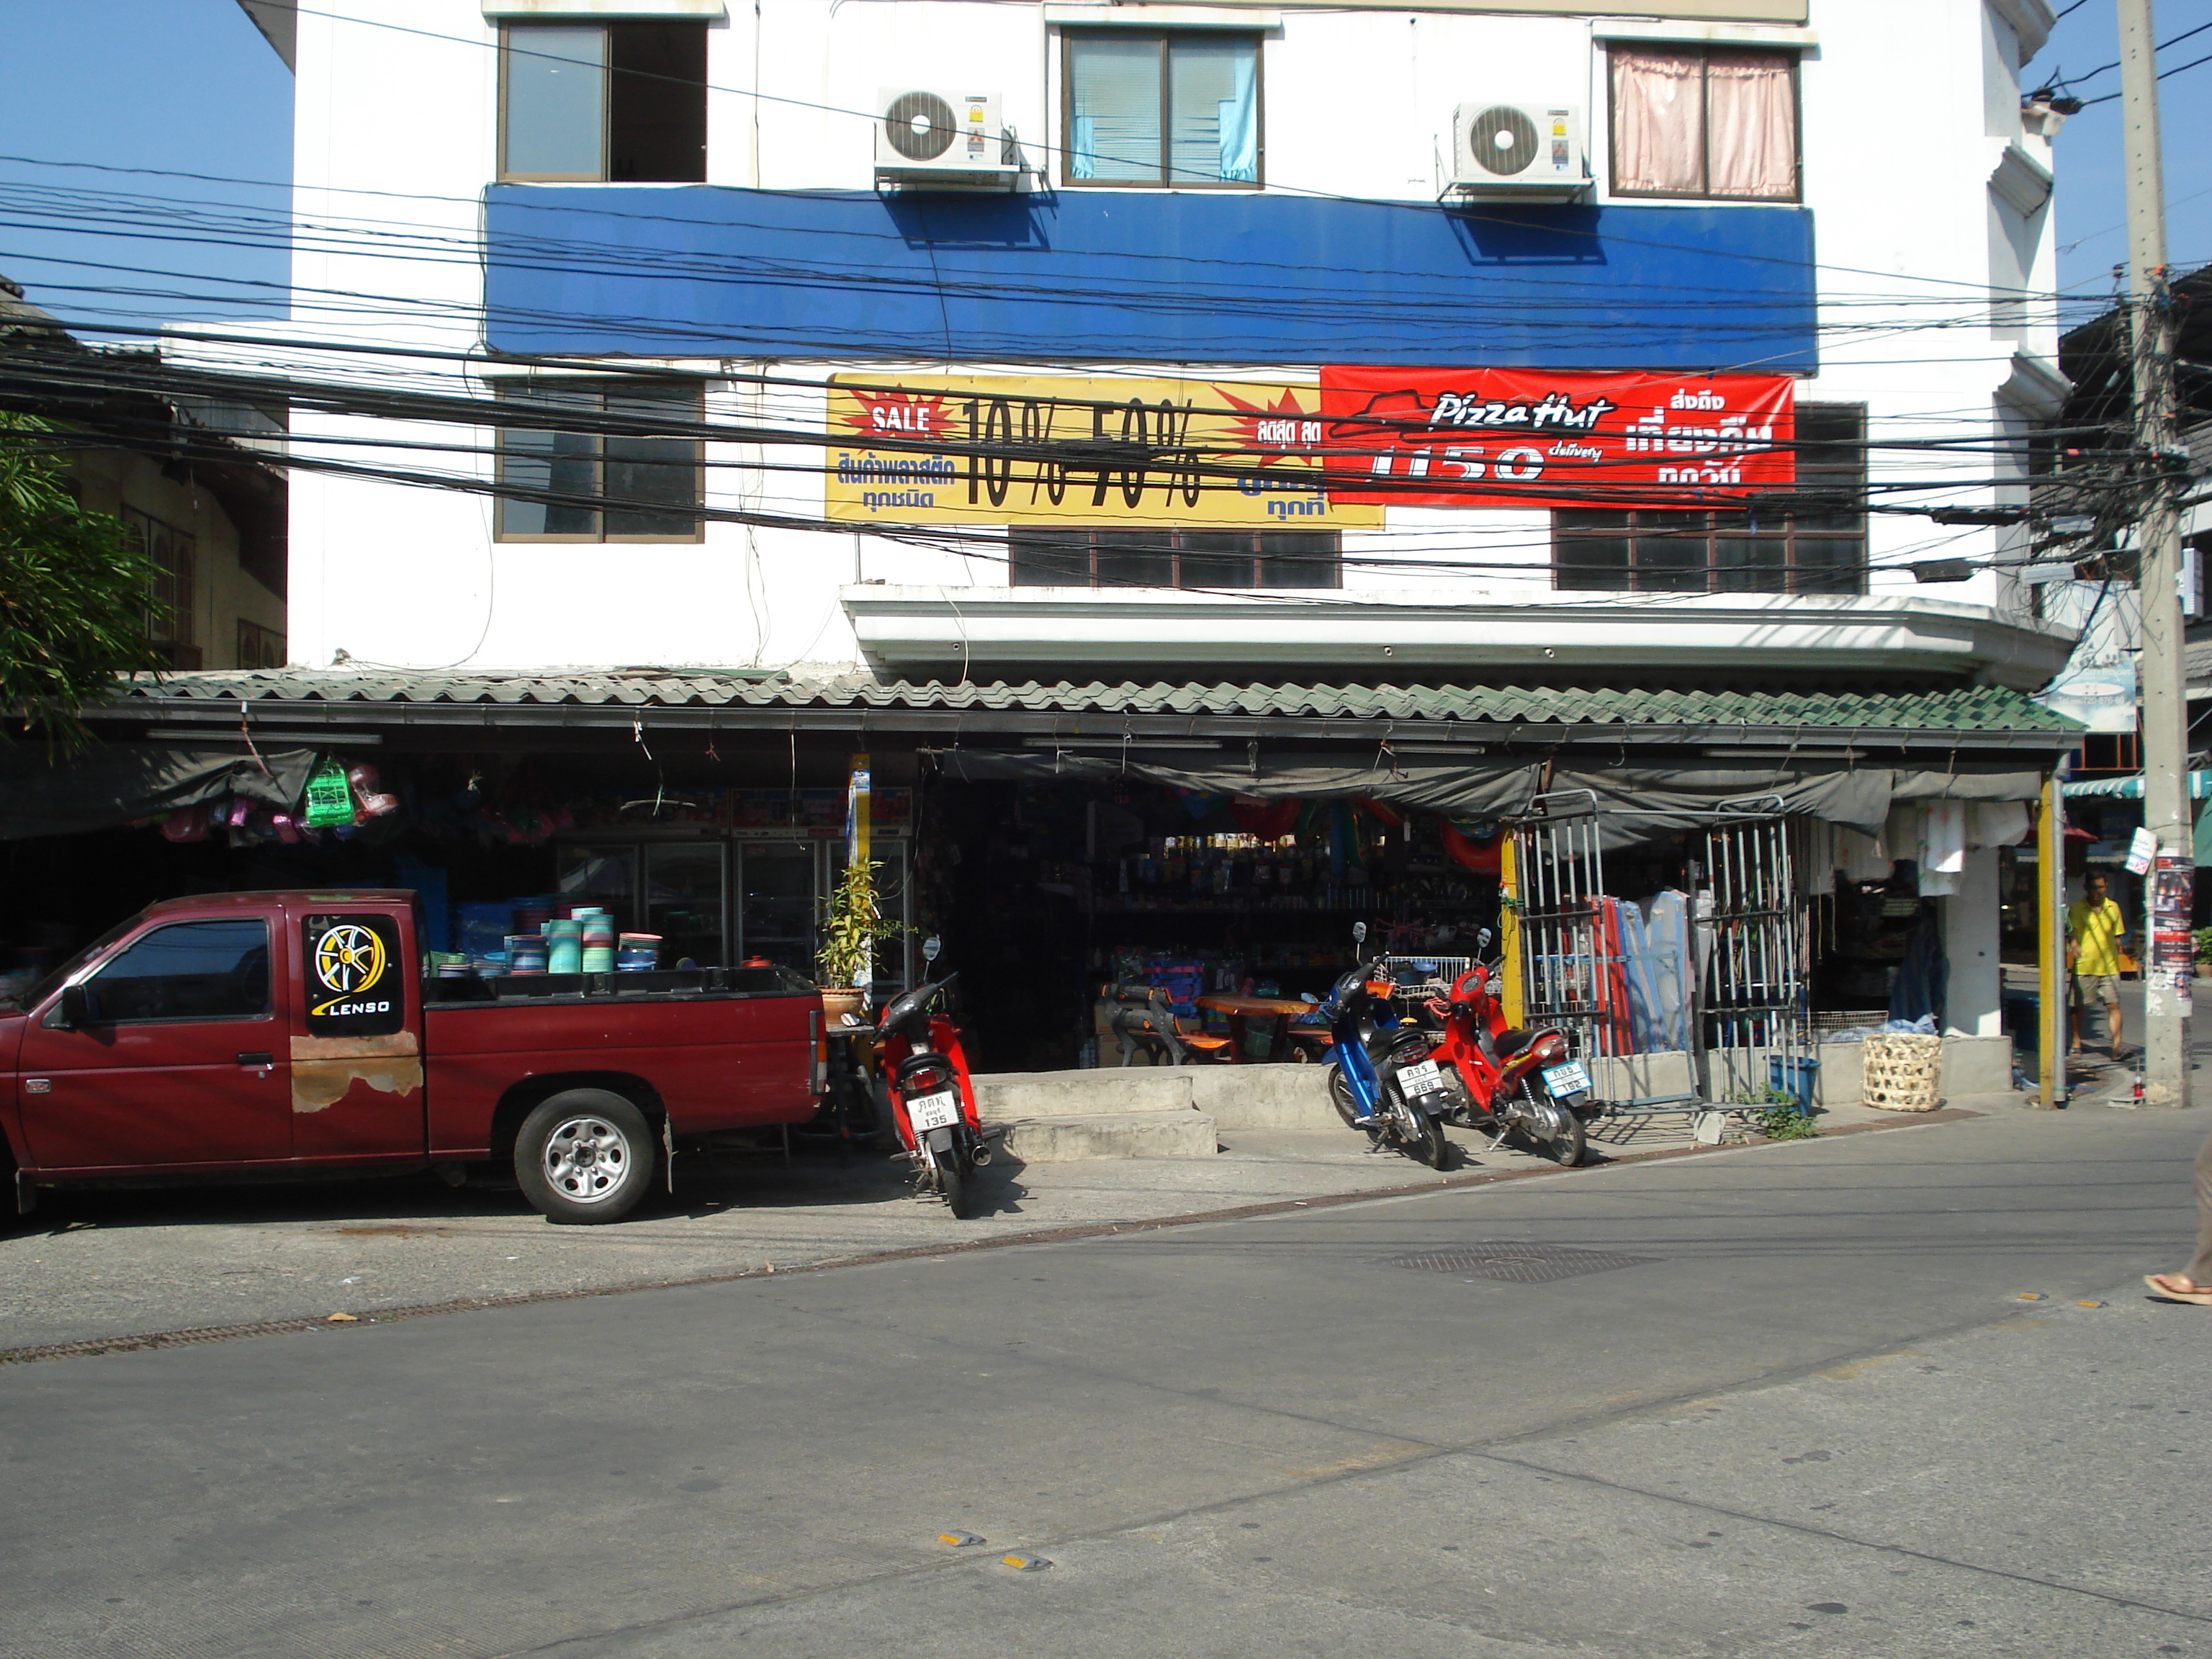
x: 1516, y: 1263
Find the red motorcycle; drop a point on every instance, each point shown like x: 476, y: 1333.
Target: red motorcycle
x: 1504, y: 1079
x: 933, y: 1101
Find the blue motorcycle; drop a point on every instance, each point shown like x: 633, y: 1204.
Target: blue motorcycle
x: 1381, y: 1079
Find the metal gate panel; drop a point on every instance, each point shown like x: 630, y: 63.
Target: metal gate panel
x: 1566, y: 967
x: 1752, y: 981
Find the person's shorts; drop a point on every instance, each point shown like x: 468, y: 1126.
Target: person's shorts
x: 2096, y: 990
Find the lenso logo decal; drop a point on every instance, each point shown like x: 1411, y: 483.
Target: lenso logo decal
x: 351, y: 961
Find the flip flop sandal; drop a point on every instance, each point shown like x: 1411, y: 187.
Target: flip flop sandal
x: 2202, y: 1299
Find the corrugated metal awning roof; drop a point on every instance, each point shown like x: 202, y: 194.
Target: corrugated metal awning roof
x: 1973, y: 714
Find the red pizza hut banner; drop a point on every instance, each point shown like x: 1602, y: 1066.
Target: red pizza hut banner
x: 1510, y: 437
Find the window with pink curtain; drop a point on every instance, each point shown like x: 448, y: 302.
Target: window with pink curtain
x: 1691, y: 121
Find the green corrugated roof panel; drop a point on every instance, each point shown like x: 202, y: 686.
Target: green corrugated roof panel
x: 1972, y: 708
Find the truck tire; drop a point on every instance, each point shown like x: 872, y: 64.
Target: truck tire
x: 585, y: 1156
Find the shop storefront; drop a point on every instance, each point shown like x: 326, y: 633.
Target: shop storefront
x: 1216, y: 841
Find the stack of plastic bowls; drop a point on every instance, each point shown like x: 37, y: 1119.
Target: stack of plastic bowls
x: 638, y: 952
x: 531, y: 915
x: 526, y: 954
x: 599, y: 942
x: 564, y: 946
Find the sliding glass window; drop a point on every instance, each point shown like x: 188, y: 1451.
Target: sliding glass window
x: 1180, y: 110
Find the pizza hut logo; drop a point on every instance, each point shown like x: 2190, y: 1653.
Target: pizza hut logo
x: 1554, y: 411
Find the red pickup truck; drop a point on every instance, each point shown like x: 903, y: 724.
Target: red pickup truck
x: 293, y: 1034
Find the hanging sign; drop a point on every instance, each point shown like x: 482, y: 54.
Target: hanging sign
x: 1510, y: 437
x: 1079, y: 450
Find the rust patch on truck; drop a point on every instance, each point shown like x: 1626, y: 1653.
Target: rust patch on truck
x: 325, y: 1069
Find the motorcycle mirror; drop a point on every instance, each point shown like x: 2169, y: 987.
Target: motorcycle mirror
x: 1308, y: 996
x: 1360, y: 933
x: 1484, y: 937
x: 930, y: 947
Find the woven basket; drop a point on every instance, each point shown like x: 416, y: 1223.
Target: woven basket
x: 1904, y: 1074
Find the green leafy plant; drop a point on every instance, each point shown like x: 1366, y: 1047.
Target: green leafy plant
x: 75, y: 592
x: 2204, y: 945
x: 1787, y: 1123
x: 856, y: 924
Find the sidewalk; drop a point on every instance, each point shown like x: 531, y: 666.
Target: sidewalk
x: 97, y: 1265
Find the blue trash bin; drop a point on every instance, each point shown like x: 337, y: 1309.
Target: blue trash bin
x: 1801, y: 1088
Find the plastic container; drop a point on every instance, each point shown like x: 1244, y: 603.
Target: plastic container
x: 1800, y: 1088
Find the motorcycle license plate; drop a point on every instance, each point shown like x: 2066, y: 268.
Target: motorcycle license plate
x: 1421, y: 1077
x: 1566, y: 1079
x: 937, y: 1111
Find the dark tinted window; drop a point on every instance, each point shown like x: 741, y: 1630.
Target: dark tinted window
x: 1166, y: 557
x: 191, y: 970
x: 625, y: 102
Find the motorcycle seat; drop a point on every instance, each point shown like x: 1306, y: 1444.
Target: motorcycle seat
x: 1512, y: 1042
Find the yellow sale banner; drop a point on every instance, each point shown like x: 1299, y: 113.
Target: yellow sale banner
x: 1079, y: 450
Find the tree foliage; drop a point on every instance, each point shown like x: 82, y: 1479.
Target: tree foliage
x: 75, y: 589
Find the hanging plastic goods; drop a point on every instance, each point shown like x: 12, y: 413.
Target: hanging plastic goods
x: 329, y: 797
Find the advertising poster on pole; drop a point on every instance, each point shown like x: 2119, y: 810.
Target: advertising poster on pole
x: 2173, y: 942
x: 1499, y: 437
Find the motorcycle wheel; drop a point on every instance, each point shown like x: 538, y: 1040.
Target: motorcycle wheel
x: 1420, y: 1135
x: 956, y: 1185
x: 1340, y: 1096
x: 1567, y: 1148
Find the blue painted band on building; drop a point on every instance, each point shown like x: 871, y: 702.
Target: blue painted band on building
x: 1143, y: 276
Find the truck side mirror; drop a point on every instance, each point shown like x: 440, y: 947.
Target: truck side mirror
x: 76, y: 1007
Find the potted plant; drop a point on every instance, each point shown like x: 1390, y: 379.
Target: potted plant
x: 854, y: 924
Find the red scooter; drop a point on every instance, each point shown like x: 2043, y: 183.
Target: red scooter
x: 1507, y: 1080
x: 933, y: 1101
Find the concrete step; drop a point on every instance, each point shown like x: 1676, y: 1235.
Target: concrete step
x: 1069, y: 1137
x: 1075, y: 1094
x: 1248, y: 1096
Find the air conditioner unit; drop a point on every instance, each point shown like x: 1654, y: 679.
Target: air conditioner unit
x: 1519, y: 152
x: 944, y: 140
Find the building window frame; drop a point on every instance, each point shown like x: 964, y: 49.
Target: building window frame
x: 1819, y: 548
x: 613, y: 34
x: 1109, y: 557
x: 1166, y: 40
x: 1706, y: 49
x: 172, y: 601
x: 543, y: 460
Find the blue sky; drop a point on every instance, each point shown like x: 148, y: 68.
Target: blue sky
x: 188, y: 86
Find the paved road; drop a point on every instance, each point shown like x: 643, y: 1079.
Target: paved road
x: 1810, y: 1418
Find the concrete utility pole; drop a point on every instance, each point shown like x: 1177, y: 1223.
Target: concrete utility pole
x: 2158, y: 544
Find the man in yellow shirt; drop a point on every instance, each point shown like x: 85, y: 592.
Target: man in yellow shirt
x: 2094, y: 929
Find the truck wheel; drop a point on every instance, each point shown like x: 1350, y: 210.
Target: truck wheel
x: 585, y: 1156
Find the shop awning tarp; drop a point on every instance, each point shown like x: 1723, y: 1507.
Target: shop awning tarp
x: 2130, y: 786
x: 115, y: 784
x: 1636, y: 804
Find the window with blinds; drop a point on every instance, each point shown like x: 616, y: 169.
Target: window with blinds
x: 1163, y: 110
x: 1167, y: 557
x: 1816, y: 543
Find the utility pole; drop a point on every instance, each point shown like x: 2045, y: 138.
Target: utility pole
x: 2167, y: 960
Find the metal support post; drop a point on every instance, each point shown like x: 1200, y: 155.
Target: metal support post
x: 2053, y: 1037
x: 2158, y: 541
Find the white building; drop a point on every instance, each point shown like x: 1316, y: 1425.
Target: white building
x: 694, y: 214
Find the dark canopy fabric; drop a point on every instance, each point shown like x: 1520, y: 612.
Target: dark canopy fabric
x: 1636, y: 804
x: 118, y: 783
x: 1469, y: 790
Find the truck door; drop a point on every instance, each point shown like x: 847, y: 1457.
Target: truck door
x: 356, y: 1061
x: 180, y: 1058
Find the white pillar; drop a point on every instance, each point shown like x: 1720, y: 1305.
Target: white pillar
x: 1974, y: 1004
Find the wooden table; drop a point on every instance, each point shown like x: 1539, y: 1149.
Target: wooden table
x: 1242, y: 1009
